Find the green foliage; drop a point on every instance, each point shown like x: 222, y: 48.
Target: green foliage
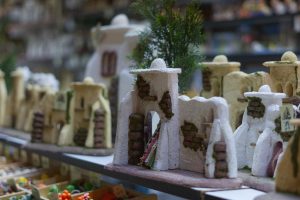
x: 174, y: 35
x: 7, y: 65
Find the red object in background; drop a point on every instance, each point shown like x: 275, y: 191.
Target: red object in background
x: 65, y: 195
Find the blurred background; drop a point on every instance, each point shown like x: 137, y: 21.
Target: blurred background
x: 54, y: 35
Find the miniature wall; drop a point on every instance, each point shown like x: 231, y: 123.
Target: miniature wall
x: 203, y: 124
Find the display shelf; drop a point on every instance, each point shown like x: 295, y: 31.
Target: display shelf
x: 261, y: 20
x: 250, y: 57
x: 97, y: 164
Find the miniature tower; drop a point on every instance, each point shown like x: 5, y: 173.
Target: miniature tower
x: 213, y: 74
x: 109, y: 64
x: 258, y: 120
x: 285, y: 74
x: 92, y: 118
x: 15, y: 98
x: 156, y: 90
x: 235, y: 85
x: 3, y: 98
x: 25, y: 113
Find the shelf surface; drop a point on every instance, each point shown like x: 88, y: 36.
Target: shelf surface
x: 97, y: 164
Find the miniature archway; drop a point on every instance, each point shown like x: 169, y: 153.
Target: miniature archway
x: 289, y: 89
x: 279, y: 88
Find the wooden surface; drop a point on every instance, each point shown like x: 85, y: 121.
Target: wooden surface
x: 178, y: 177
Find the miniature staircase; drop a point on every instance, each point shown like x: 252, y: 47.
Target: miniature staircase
x: 99, y: 119
x: 37, y: 127
x: 221, y: 167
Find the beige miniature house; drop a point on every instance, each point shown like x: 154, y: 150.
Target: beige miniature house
x: 91, y: 118
x: 79, y: 117
x: 15, y: 98
x: 3, y: 99
x: 285, y: 74
x: 33, y: 95
x: 53, y: 107
x: 213, y: 74
x: 235, y: 85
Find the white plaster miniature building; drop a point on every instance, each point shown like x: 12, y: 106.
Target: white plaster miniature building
x: 206, y: 139
x: 153, y: 86
x: 193, y: 134
x: 256, y: 138
x: 110, y: 64
x: 235, y: 85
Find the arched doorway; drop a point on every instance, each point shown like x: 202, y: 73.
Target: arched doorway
x: 142, y: 138
x: 289, y: 90
x: 279, y: 88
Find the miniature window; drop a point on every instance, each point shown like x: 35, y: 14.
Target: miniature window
x: 108, y: 64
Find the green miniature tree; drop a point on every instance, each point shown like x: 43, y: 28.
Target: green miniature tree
x: 175, y: 34
x: 8, y: 51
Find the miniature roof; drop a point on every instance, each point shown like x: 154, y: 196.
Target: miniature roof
x: 118, y: 23
x: 288, y: 59
x: 265, y: 92
x: 88, y: 81
x: 158, y: 65
x: 220, y: 61
x: 17, y: 72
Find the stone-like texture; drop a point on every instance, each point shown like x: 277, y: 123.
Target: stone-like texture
x: 37, y: 127
x: 135, y: 138
x: 99, y: 118
x: 255, y: 108
x: 165, y: 105
x: 221, y: 163
x: 191, y: 140
x: 80, y: 137
x: 206, y: 74
x: 144, y: 89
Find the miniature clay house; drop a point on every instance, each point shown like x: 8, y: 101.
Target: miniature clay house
x: 206, y: 139
x: 288, y: 171
x: 183, y: 138
x: 91, y: 115
x: 235, y: 85
x: 79, y: 117
x: 213, y: 74
x: 285, y: 74
x: 15, y: 98
x: 33, y: 95
x: 109, y: 64
x: 156, y: 90
x: 3, y: 98
x: 51, y: 112
x: 257, y: 137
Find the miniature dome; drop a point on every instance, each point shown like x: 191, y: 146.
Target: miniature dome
x: 120, y: 20
x: 289, y: 56
x: 220, y: 59
x: 88, y: 80
x: 265, y: 89
x: 158, y: 63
